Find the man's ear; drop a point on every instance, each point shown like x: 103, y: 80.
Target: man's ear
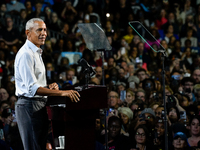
x: 27, y: 32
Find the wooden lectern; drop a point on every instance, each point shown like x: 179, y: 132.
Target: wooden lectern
x: 76, y: 121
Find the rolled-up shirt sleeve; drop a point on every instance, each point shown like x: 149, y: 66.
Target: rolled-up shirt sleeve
x: 26, y: 71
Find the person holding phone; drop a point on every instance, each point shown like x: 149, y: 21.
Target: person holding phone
x: 10, y: 129
x: 159, y: 133
x: 188, y: 87
x: 146, y: 118
x: 32, y: 89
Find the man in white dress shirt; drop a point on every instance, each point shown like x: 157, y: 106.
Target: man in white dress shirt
x: 32, y: 89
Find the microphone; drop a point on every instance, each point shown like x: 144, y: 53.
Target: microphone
x: 88, y: 69
x: 83, y: 63
x: 163, y: 52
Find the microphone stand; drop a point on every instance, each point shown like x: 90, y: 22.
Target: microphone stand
x: 86, y: 72
x: 86, y: 80
x: 165, y: 109
x: 105, y: 109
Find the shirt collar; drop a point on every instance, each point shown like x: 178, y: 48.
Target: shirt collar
x: 33, y: 47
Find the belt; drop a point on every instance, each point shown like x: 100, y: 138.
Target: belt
x: 33, y: 98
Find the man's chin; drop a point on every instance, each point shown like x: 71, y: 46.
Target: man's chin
x: 42, y: 43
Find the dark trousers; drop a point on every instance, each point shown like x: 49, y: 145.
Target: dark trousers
x: 32, y: 121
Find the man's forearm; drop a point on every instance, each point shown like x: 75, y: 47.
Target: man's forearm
x: 44, y: 91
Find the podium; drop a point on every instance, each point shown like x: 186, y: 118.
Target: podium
x: 76, y: 121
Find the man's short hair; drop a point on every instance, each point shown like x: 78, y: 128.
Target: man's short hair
x: 140, y: 90
x: 115, y: 93
x: 140, y: 70
x: 30, y: 23
x: 71, y: 69
x: 114, y: 118
x: 129, y: 64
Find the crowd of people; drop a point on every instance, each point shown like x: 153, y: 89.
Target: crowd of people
x: 133, y: 70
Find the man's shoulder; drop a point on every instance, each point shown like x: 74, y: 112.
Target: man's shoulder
x: 24, y: 50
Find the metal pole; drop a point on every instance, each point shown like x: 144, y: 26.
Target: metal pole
x: 165, y: 109
x: 105, y: 110
x: 102, y: 58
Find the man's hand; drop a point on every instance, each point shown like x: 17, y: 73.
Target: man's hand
x: 73, y: 95
x: 53, y: 86
x: 140, y: 122
x: 9, y: 120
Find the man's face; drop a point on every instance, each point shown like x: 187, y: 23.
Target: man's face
x: 9, y: 22
x: 3, y: 94
x: 196, y: 76
x: 111, y: 62
x: 121, y: 73
x: 171, y: 17
x: 141, y: 96
x: 37, y: 34
x: 49, y: 67
x: 160, y: 129
x: 188, y: 85
x: 70, y: 75
x: 131, y: 68
x: 124, y: 65
x: 38, y: 7
x: 112, y: 99
x: 158, y: 112
x: 54, y: 17
x: 114, y: 129
x: 141, y: 75
x: 99, y: 73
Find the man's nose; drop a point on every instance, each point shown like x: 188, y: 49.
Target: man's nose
x: 44, y: 32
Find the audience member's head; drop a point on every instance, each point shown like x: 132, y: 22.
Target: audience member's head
x: 114, y: 127
x: 141, y: 74
x: 3, y: 94
x: 113, y: 99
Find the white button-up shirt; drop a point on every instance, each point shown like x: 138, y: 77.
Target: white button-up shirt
x: 30, y: 71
